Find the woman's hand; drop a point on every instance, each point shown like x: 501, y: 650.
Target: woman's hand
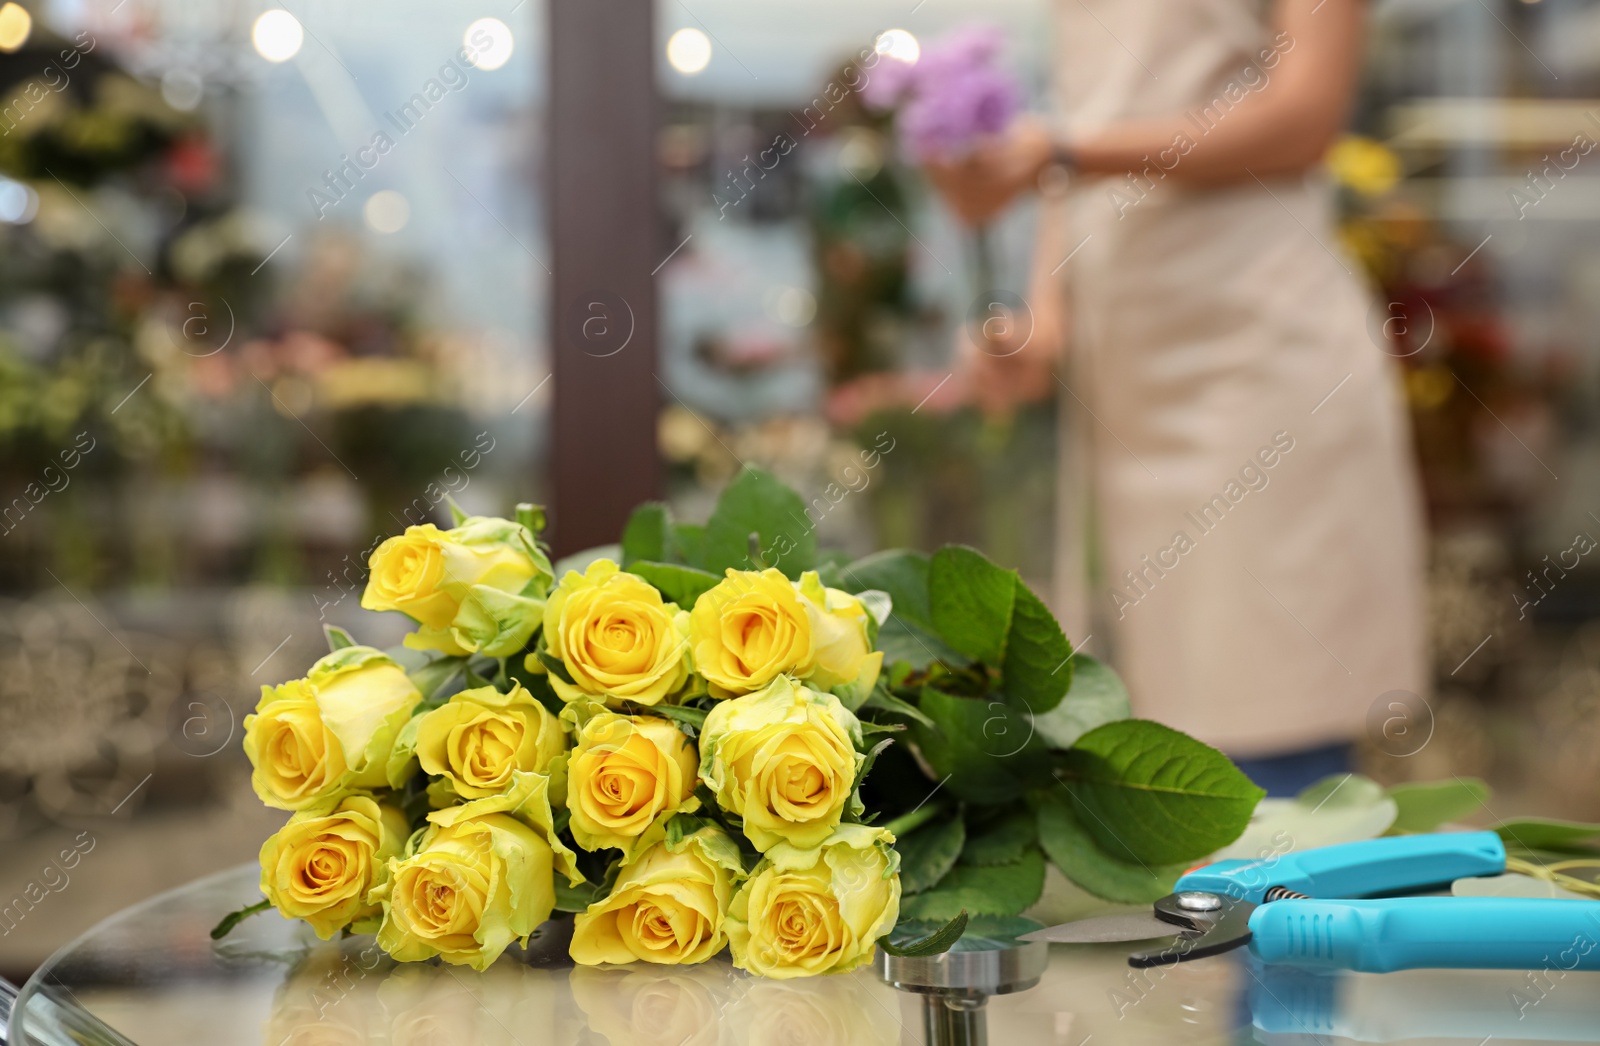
x: 1009, y: 357
x: 980, y: 184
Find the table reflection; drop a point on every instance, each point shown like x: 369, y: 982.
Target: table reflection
x: 345, y: 994
x: 151, y: 977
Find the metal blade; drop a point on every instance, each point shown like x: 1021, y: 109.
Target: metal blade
x: 1105, y: 929
x: 1220, y: 931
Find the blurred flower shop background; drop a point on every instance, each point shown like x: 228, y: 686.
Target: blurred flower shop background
x: 272, y: 285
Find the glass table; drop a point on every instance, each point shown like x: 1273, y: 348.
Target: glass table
x: 151, y: 976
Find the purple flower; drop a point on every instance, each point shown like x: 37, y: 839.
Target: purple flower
x: 955, y: 94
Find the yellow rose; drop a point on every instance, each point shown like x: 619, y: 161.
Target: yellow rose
x: 666, y: 907
x: 616, y: 636
x: 748, y: 629
x: 626, y: 777
x: 784, y: 759
x: 753, y: 627
x: 819, y: 910
x: 478, y: 588
x: 476, y: 740
x: 331, y: 732
x: 477, y: 879
x: 320, y: 866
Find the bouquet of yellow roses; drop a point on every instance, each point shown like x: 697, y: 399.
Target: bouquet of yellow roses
x: 671, y: 740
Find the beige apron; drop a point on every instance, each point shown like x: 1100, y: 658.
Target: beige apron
x: 1239, y: 515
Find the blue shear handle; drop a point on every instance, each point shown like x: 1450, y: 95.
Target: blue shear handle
x: 1407, y: 933
x: 1364, y: 869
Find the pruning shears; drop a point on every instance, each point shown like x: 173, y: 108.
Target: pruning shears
x: 1333, y: 907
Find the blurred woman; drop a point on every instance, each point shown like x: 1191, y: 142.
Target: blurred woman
x: 1234, y: 441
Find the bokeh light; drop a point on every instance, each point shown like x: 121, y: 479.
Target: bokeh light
x: 277, y: 35
x: 489, y: 42
x: 689, y: 51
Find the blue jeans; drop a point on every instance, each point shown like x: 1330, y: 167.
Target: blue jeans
x: 1288, y: 774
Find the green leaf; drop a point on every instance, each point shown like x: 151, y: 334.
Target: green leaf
x: 1002, y: 842
x: 680, y: 585
x: 883, y: 701
x: 681, y: 826
x: 936, y: 943
x: 999, y: 889
x: 232, y: 919
x: 457, y: 516
x: 984, y: 750
x: 1074, y: 851
x: 1424, y: 806
x: 337, y: 638
x: 689, y: 541
x: 1544, y: 833
x: 555, y: 666
x: 908, y: 635
x: 900, y: 573
x: 857, y: 808
x: 1150, y: 794
x: 647, y: 535
x: 576, y: 898
x: 971, y: 601
x: 689, y: 718
x: 433, y: 676
x: 1037, y: 670
x: 928, y: 854
x: 1097, y: 697
x: 987, y: 614
x: 757, y: 503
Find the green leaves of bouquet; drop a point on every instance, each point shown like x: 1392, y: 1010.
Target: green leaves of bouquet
x: 713, y: 736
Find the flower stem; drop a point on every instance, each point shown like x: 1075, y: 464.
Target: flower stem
x: 915, y: 819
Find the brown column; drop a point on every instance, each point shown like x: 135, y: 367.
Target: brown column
x: 604, y: 244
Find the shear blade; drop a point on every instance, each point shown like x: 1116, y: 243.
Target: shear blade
x: 1211, y: 934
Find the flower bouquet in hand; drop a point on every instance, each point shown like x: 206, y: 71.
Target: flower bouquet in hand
x: 947, y: 103
x: 712, y: 736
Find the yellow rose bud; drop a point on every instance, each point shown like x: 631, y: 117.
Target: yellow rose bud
x: 331, y: 732
x: 478, y: 588
x: 666, y: 907
x: 841, y: 635
x: 819, y: 910
x: 784, y: 759
x: 749, y: 629
x: 616, y: 636
x: 476, y: 740
x: 320, y: 866
x: 626, y: 777
x: 477, y: 879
